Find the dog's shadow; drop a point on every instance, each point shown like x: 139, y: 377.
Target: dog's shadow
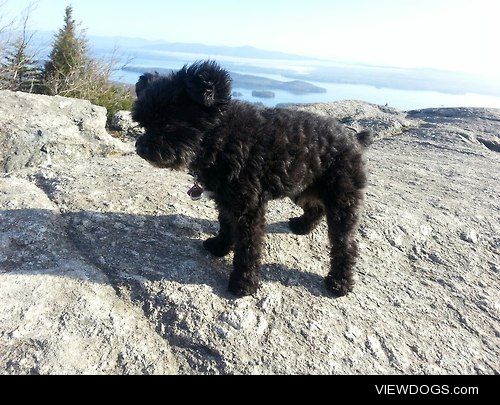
x: 132, y: 250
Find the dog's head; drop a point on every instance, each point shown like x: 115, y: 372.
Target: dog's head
x: 175, y: 110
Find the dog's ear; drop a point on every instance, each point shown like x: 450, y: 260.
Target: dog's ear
x: 207, y: 84
x: 143, y: 82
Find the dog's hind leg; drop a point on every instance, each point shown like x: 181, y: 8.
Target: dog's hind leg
x: 342, y: 203
x: 249, y: 236
x: 223, y: 243
x: 314, y: 212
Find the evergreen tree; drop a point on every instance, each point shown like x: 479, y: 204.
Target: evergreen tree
x: 71, y: 72
x: 20, y: 69
x: 68, y: 57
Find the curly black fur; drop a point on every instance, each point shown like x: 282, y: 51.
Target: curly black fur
x: 247, y: 156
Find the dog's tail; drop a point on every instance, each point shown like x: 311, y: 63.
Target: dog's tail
x: 365, y: 138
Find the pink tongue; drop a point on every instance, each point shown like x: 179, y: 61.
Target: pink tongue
x: 196, y: 192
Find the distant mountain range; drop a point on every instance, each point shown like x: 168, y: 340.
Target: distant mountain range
x: 100, y: 43
x: 243, y: 61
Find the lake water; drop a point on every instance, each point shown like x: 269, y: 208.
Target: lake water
x: 401, y: 99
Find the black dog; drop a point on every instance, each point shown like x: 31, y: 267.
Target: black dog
x: 246, y: 155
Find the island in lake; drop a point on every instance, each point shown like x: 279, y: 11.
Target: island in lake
x: 263, y: 94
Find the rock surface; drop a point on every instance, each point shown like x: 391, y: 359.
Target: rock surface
x: 40, y: 130
x: 472, y: 124
x: 383, y: 121
x: 102, y: 269
x: 123, y: 123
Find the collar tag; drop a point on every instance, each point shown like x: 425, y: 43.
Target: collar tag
x: 196, y: 192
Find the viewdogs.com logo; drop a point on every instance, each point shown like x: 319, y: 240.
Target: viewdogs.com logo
x: 425, y: 390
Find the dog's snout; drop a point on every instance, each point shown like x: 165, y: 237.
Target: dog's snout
x: 142, y: 149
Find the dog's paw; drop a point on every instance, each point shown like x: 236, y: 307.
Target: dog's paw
x: 340, y: 288
x: 216, y: 247
x: 300, y: 227
x: 243, y: 286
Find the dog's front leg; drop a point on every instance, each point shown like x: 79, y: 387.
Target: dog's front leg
x: 249, y: 235
x: 222, y: 244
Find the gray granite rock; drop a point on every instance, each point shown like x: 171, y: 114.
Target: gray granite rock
x: 37, y: 130
x: 359, y: 115
x: 123, y: 123
x: 477, y: 125
x: 59, y: 314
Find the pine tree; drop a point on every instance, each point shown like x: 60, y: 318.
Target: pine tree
x: 68, y: 57
x: 72, y: 72
x: 20, y: 69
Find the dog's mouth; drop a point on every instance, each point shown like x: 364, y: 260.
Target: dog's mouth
x: 160, y: 154
x: 153, y: 162
x: 153, y: 156
x: 156, y: 165
x: 143, y: 150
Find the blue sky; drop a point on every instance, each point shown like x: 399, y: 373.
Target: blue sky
x: 459, y: 35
